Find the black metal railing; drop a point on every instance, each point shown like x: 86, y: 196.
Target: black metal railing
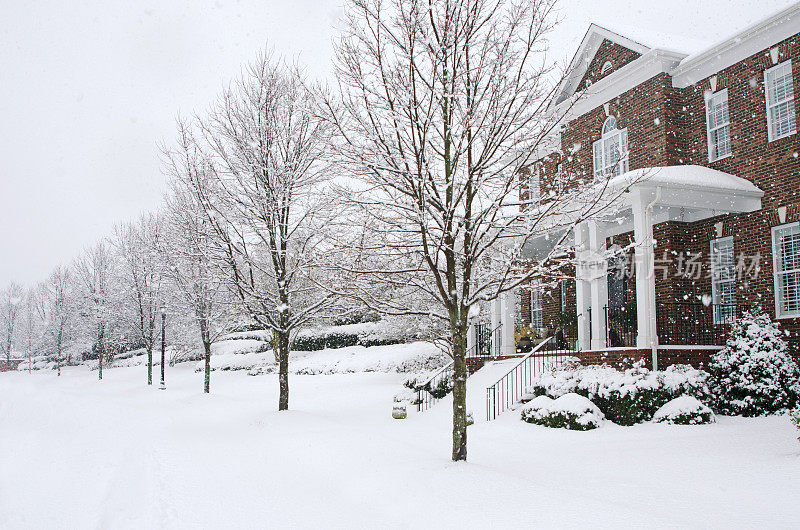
x: 487, y: 342
x: 509, y: 389
x: 690, y: 323
x: 435, y: 388
x: 621, y: 326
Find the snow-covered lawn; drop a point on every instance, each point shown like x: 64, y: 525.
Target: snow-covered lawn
x: 78, y: 453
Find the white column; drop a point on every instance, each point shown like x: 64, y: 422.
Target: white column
x: 496, y: 313
x: 470, y: 336
x: 507, y: 308
x: 645, y: 278
x: 599, y: 284
x: 583, y: 301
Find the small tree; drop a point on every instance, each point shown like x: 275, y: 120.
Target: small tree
x: 138, y: 245
x: 754, y: 374
x: 187, y: 246
x: 56, y: 307
x: 264, y: 203
x: 11, y: 301
x: 94, y: 270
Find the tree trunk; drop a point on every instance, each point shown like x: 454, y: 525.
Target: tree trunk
x: 459, y: 396
x: 150, y: 364
x: 283, y: 370
x: 207, y: 381
x: 100, y: 352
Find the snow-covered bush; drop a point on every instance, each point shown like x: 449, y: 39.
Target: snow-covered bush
x: 795, y: 417
x: 570, y: 411
x: 684, y: 410
x: 625, y: 397
x: 753, y: 374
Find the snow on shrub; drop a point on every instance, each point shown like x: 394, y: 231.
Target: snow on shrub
x: 795, y: 417
x: 684, y: 410
x: 570, y: 411
x: 625, y: 397
x: 753, y: 374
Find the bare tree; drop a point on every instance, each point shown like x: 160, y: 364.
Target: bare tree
x: 31, y: 322
x: 138, y: 245
x: 56, y: 310
x: 264, y: 205
x: 443, y: 106
x: 11, y: 305
x: 187, y: 246
x: 93, y: 270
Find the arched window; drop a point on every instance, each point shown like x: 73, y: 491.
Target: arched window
x: 607, y: 67
x: 610, y: 152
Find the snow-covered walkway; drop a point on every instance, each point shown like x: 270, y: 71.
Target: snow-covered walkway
x: 78, y: 453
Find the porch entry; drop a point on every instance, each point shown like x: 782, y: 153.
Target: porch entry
x: 642, y: 198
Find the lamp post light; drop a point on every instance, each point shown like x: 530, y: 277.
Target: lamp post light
x: 163, y: 342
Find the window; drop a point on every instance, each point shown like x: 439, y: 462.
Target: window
x: 607, y: 67
x: 610, y: 152
x: 723, y: 280
x: 558, y: 181
x: 534, y: 180
x: 779, y: 88
x: 718, y: 125
x: 786, y: 266
x: 537, y: 312
x: 564, y: 296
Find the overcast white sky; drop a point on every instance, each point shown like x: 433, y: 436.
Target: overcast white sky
x: 89, y: 88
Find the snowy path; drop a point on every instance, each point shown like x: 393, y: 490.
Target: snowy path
x: 82, y: 454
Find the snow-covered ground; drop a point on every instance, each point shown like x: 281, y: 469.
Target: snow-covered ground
x: 78, y: 453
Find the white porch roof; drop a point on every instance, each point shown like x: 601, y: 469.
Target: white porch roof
x: 679, y: 193
x: 685, y: 193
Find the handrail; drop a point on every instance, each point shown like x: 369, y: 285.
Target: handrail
x: 492, y: 338
x: 533, y: 351
x: 513, y: 384
x: 424, y: 403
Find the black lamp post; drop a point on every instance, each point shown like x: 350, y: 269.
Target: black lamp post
x: 163, y: 343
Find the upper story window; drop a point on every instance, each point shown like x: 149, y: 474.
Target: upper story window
x: 786, y: 267
x: 718, y: 125
x: 607, y: 67
x: 610, y: 152
x: 723, y: 280
x: 559, y: 182
x: 779, y: 89
x: 534, y: 182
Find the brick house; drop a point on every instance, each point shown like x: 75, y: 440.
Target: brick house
x: 706, y: 149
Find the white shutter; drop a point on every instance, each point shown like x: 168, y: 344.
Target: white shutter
x: 623, y: 135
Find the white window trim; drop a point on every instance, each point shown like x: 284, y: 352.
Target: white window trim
x: 718, y: 317
x: 607, y: 67
x: 769, y: 104
x: 709, y: 130
x: 607, y: 169
x: 776, y: 283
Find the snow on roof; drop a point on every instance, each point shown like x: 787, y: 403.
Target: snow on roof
x: 686, y: 177
x: 663, y: 41
x: 733, y: 34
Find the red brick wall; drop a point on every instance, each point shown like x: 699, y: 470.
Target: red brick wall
x: 618, y: 55
x: 9, y: 366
